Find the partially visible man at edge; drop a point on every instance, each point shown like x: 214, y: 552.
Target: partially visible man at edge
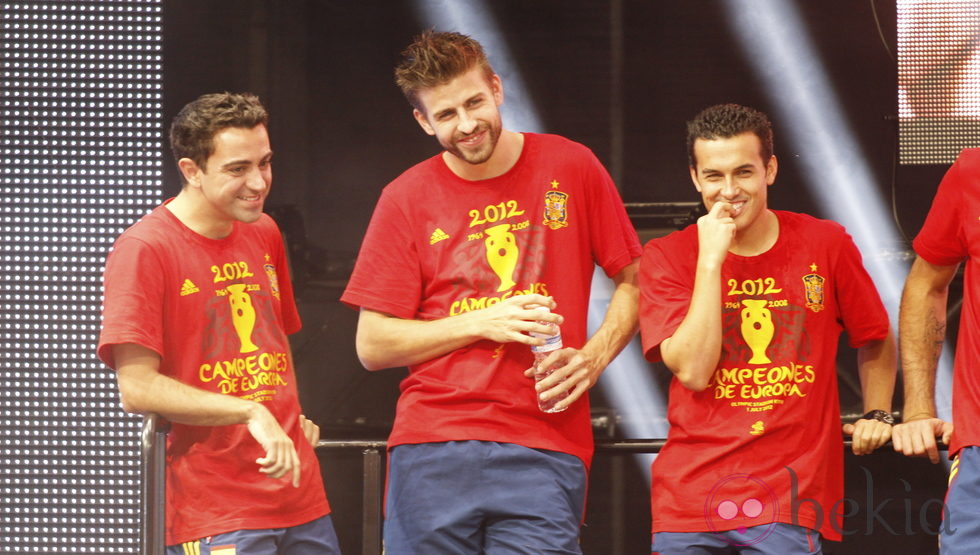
x: 948, y: 238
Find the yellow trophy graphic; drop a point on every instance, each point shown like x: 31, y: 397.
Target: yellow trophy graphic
x: 242, y: 315
x: 757, y: 329
x: 502, y: 254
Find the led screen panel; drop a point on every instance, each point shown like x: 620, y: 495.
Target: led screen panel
x: 938, y: 79
x: 80, y: 159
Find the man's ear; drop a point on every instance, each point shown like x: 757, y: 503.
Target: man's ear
x: 771, y: 169
x: 423, y: 122
x: 694, y: 177
x: 497, y: 88
x: 190, y: 170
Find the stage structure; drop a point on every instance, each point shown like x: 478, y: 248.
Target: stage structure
x: 80, y: 113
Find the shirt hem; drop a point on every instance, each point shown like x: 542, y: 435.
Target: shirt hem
x: 221, y: 527
x: 698, y: 526
x: 585, y: 455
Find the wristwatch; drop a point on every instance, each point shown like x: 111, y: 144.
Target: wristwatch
x: 880, y: 416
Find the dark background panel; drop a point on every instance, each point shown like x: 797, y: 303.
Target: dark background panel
x: 624, y: 87
x: 622, y: 77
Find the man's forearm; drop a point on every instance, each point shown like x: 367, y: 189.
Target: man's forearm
x: 921, y: 339
x: 922, y: 330
x: 877, y: 369
x: 144, y: 392
x: 144, y: 389
x: 620, y: 322
x: 385, y: 341
x: 693, y: 351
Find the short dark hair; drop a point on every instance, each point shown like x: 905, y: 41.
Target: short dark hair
x: 193, y: 129
x: 724, y: 121
x: 436, y: 58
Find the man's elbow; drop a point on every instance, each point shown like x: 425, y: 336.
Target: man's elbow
x: 373, y: 340
x: 132, y: 400
x: 370, y: 364
x: 135, y: 394
x: 692, y: 381
x: 371, y: 358
x: 690, y: 374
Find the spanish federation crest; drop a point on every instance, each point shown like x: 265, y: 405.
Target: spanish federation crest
x: 270, y: 270
x: 555, y: 208
x: 813, y: 283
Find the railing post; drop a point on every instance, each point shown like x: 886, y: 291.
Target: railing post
x: 153, y: 496
x: 371, y: 502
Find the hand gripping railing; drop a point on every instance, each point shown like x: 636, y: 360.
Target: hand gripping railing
x: 153, y: 499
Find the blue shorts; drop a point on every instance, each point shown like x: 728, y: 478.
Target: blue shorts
x: 960, y: 531
x: 313, y: 538
x: 482, y: 497
x: 776, y: 539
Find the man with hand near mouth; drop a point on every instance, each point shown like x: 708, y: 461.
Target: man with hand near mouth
x: 462, y: 252
x: 745, y: 309
x: 198, y: 305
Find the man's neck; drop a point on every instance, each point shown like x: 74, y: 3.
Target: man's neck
x: 192, y: 213
x: 505, y: 155
x: 759, y: 238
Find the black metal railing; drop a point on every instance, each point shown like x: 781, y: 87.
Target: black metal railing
x: 153, y: 496
x: 371, y: 451
x: 154, y: 499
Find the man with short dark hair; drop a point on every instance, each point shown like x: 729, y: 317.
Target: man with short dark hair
x: 745, y: 308
x: 464, y: 252
x: 198, y: 302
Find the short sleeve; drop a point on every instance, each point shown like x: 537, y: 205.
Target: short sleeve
x: 387, y: 276
x: 665, y: 293
x: 941, y: 240
x: 614, y: 239
x: 862, y: 313
x: 133, y: 298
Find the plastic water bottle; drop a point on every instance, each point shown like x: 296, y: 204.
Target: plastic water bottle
x: 551, y: 343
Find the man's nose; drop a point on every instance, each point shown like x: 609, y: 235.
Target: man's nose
x: 256, y: 181
x: 729, y: 189
x: 467, y: 123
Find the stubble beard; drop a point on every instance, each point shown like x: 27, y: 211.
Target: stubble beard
x: 485, y: 152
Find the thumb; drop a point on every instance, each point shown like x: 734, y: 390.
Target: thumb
x: 947, y: 433
x: 849, y: 429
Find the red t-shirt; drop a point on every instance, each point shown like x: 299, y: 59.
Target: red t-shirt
x: 949, y: 236
x: 764, y: 439
x: 217, y: 311
x: 439, y: 246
